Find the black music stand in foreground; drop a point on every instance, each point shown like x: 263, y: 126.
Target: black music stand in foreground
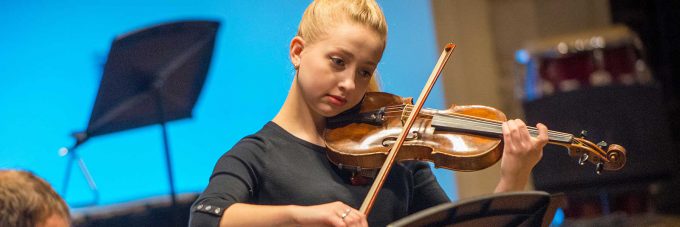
x: 151, y: 76
x: 530, y: 208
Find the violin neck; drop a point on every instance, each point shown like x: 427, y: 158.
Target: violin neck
x: 486, y: 127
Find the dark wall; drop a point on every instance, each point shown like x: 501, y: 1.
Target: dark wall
x: 658, y: 24
x: 645, y: 119
x: 631, y: 116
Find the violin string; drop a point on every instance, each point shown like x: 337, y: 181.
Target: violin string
x: 532, y: 130
x: 475, y: 123
x: 493, y: 128
x: 484, y: 125
x: 493, y: 122
x: 464, y: 124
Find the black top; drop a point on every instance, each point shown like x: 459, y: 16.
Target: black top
x: 273, y: 167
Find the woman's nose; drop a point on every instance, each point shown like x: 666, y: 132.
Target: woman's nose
x: 347, y: 80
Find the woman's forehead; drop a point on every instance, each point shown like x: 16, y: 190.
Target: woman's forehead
x: 353, y: 39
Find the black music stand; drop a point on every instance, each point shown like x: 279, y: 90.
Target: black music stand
x: 151, y: 76
x: 530, y: 208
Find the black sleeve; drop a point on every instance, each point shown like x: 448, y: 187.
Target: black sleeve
x: 427, y: 191
x: 233, y: 181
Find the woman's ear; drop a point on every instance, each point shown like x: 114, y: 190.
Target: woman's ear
x: 296, y: 47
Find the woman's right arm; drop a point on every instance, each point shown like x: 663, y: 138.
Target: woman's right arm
x: 329, y: 214
x: 232, y: 185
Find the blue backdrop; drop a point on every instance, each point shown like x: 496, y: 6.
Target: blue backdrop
x: 51, y: 59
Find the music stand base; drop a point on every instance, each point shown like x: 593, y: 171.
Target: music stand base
x: 73, y: 157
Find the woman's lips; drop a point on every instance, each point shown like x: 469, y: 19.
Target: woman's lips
x: 337, y: 100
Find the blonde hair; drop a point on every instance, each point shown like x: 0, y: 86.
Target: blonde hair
x: 374, y: 84
x: 322, y: 14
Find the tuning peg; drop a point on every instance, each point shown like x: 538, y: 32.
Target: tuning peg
x: 584, y: 133
x: 598, y: 168
x: 602, y: 144
x: 582, y: 160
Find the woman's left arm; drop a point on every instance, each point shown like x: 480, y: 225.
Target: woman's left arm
x: 521, y: 152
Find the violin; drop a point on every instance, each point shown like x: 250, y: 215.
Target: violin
x: 385, y: 128
x: 461, y: 138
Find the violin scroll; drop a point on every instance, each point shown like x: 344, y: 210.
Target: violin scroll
x: 611, y: 160
x: 617, y: 157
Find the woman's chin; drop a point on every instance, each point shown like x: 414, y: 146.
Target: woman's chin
x: 328, y: 114
x: 329, y: 111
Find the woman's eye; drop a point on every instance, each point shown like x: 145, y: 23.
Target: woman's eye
x: 365, y: 73
x: 337, y: 61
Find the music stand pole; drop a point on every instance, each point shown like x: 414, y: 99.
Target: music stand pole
x: 166, y: 146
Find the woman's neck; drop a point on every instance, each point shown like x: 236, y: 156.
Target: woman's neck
x: 296, y: 117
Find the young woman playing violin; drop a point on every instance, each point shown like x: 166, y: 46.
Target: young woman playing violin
x: 281, y: 176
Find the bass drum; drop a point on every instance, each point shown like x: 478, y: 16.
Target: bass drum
x: 611, y: 56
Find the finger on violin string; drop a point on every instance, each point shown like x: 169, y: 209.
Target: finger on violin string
x: 513, y: 130
x: 506, y: 134
x: 523, y: 131
x: 521, y: 136
x: 520, y: 124
x: 542, y: 134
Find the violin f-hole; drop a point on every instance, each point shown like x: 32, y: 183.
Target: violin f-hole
x: 389, y: 141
